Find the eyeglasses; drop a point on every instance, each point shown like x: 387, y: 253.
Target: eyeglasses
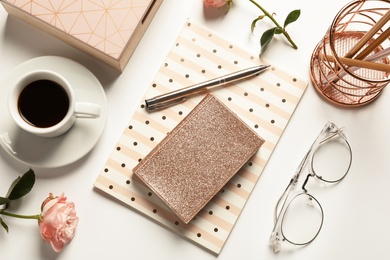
x: 300, y: 217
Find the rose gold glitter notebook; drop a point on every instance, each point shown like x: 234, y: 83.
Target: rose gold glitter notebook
x: 265, y: 103
x: 201, y: 154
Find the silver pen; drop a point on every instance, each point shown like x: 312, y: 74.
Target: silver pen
x: 180, y: 95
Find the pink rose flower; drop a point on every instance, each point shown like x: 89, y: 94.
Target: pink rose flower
x: 215, y: 3
x: 58, y: 221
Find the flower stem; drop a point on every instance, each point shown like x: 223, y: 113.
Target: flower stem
x: 20, y: 216
x: 276, y: 23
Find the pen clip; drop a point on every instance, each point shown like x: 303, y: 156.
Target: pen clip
x: 161, y: 105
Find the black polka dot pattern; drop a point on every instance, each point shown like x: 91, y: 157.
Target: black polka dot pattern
x: 264, y: 102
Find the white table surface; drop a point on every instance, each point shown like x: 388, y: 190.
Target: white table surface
x: 357, y: 212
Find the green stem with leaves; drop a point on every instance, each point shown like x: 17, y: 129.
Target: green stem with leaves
x: 276, y: 23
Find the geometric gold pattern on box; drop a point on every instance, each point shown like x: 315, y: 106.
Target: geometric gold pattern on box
x: 106, y: 25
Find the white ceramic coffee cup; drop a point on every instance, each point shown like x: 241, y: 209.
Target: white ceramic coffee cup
x: 76, y: 109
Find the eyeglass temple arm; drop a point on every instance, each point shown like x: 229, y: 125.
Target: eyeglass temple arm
x: 280, y: 199
x: 275, y: 240
x: 291, y: 184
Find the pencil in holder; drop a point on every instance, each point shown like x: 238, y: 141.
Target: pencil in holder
x: 350, y: 66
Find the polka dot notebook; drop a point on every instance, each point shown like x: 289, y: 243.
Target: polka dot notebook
x: 265, y: 103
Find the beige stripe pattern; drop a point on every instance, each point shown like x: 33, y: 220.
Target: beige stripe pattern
x: 266, y: 103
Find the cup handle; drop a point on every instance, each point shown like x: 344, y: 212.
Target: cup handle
x: 87, y: 110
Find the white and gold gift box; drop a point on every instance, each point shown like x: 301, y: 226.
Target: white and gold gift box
x: 108, y: 30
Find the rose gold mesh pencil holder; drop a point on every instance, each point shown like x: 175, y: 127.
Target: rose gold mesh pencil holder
x: 350, y: 65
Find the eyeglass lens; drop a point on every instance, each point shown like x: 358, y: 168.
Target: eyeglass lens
x: 302, y: 220
x: 331, y: 160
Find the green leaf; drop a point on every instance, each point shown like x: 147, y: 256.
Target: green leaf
x: 3, y: 225
x: 266, y: 39
x: 3, y: 200
x: 292, y: 17
x: 253, y: 25
x: 22, y: 185
x: 12, y: 186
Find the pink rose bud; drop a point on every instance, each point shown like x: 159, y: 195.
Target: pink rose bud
x: 58, y: 221
x: 215, y: 3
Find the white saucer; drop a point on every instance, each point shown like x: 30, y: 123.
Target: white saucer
x: 55, y: 152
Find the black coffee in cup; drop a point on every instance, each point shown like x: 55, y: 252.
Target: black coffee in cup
x: 43, y: 103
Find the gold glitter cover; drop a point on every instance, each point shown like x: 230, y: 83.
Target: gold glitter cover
x: 198, y: 157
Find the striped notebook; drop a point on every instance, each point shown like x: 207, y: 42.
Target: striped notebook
x: 265, y: 103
